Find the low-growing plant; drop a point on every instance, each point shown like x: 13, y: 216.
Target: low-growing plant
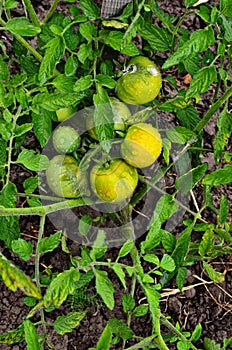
x: 65, y: 68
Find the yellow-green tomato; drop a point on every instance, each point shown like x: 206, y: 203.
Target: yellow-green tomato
x: 114, y: 182
x: 141, y: 82
x: 142, y: 145
x: 64, y: 113
x: 65, y: 139
x: 64, y: 177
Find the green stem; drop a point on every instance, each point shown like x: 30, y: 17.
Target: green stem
x: 32, y: 13
x: 47, y: 209
x: 172, y: 328
x: 214, y: 108
x: 50, y: 12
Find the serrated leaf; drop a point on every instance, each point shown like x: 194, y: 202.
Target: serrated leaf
x: 120, y: 328
x: 85, y: 224
x: 201, y: 81
x: 9, y: 4
x: 105, y: 288
x: 42, y: 125
x: 54, y: 101
x: 115, y: 40
x: 83, y: 83
x: 189, y: 116
x: 173, y: 104
x: 71, y: 65
x: 199, y: 41
x: 60, y: 287
x: 71, y: 38
x: 99, y: 246
x: 54, y: 52
x: 168, y: 240
x: 64, y: 83
x: 180, y: 134
x: 32, y: 160
x: 85, y: 52
x: 167, y: 263
x: 120, y: 273
x: 223, y: 210
x: 226, y: 7
x: 48, y: 244
x: 10, y: 229
x: 210, y: 344
x: 105, y: 339
x: 88, y: 30
x: 90, y: 9
x: 22, y: 248
x: 31, y: 336
x: 215, y: 276
x: 207, y: 243
x: 128, y: 302
x: 22, y: 26
x: 224, y: 124
x: 187, y: 181
x: 181, y: 247
x: 153, y: 301
x: 164, y: 209
x: 12, y: 337
x: 219, y: 176
x: 180, y: 277
x: 126, y: 248
x: 159, y: 13
x: 103, y: 118
x: 152, y: 258
x: 105, y: 81
x: 65, y: 324
x: 22, y: 129
x: 158, y: 38
x: 15, y: 279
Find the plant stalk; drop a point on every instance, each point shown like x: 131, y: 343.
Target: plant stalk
x: 32, y: 13
x: 50, y: 12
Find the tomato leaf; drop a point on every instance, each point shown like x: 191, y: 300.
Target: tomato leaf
x: 90, y: 9
x: 224, y: 124
x: 157, y: 37
x: 65, y: 324
x: 48, y: 244
x: 22, y: 248
x: 219, y: 176
x: 22, y: 26
x: 14, y: 278
x: 198, y: 42
x: 128, y: 302
x: 118, y: 327
x: 105, y: 339
x: 180, y: 134
x: 54, y: 52
x: 120, y: 273
x: 42, y: 125
x: 83, y: 83
x: 31, y: 336
x: 223, y: 210
x: 60, y: 287
x: 201, y: 81
x: 32, y: 160
x: 187, y: 181
x: 207, y: 243
x: 105, y: 288
x: 12, y: 337
x: 103, y: 118
x: 215, y: 276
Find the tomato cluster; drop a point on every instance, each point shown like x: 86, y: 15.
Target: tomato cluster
x: 112, y: 180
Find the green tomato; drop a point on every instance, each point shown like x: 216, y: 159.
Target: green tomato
x: 141, y: 83
x: 65, y: 139
x: 64, y: 113
x: 64, y: 177
x: 114, y: 182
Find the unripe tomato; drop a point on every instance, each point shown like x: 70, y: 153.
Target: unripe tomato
x: 65, y: 139
x: 141, y: 83
x: 64, y: 177
x: 121, y: 114
x: 114, y: 182
x: 64, y: 113
x: 142, y: 145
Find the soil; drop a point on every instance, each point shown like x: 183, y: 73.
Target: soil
x: 201, y: 300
